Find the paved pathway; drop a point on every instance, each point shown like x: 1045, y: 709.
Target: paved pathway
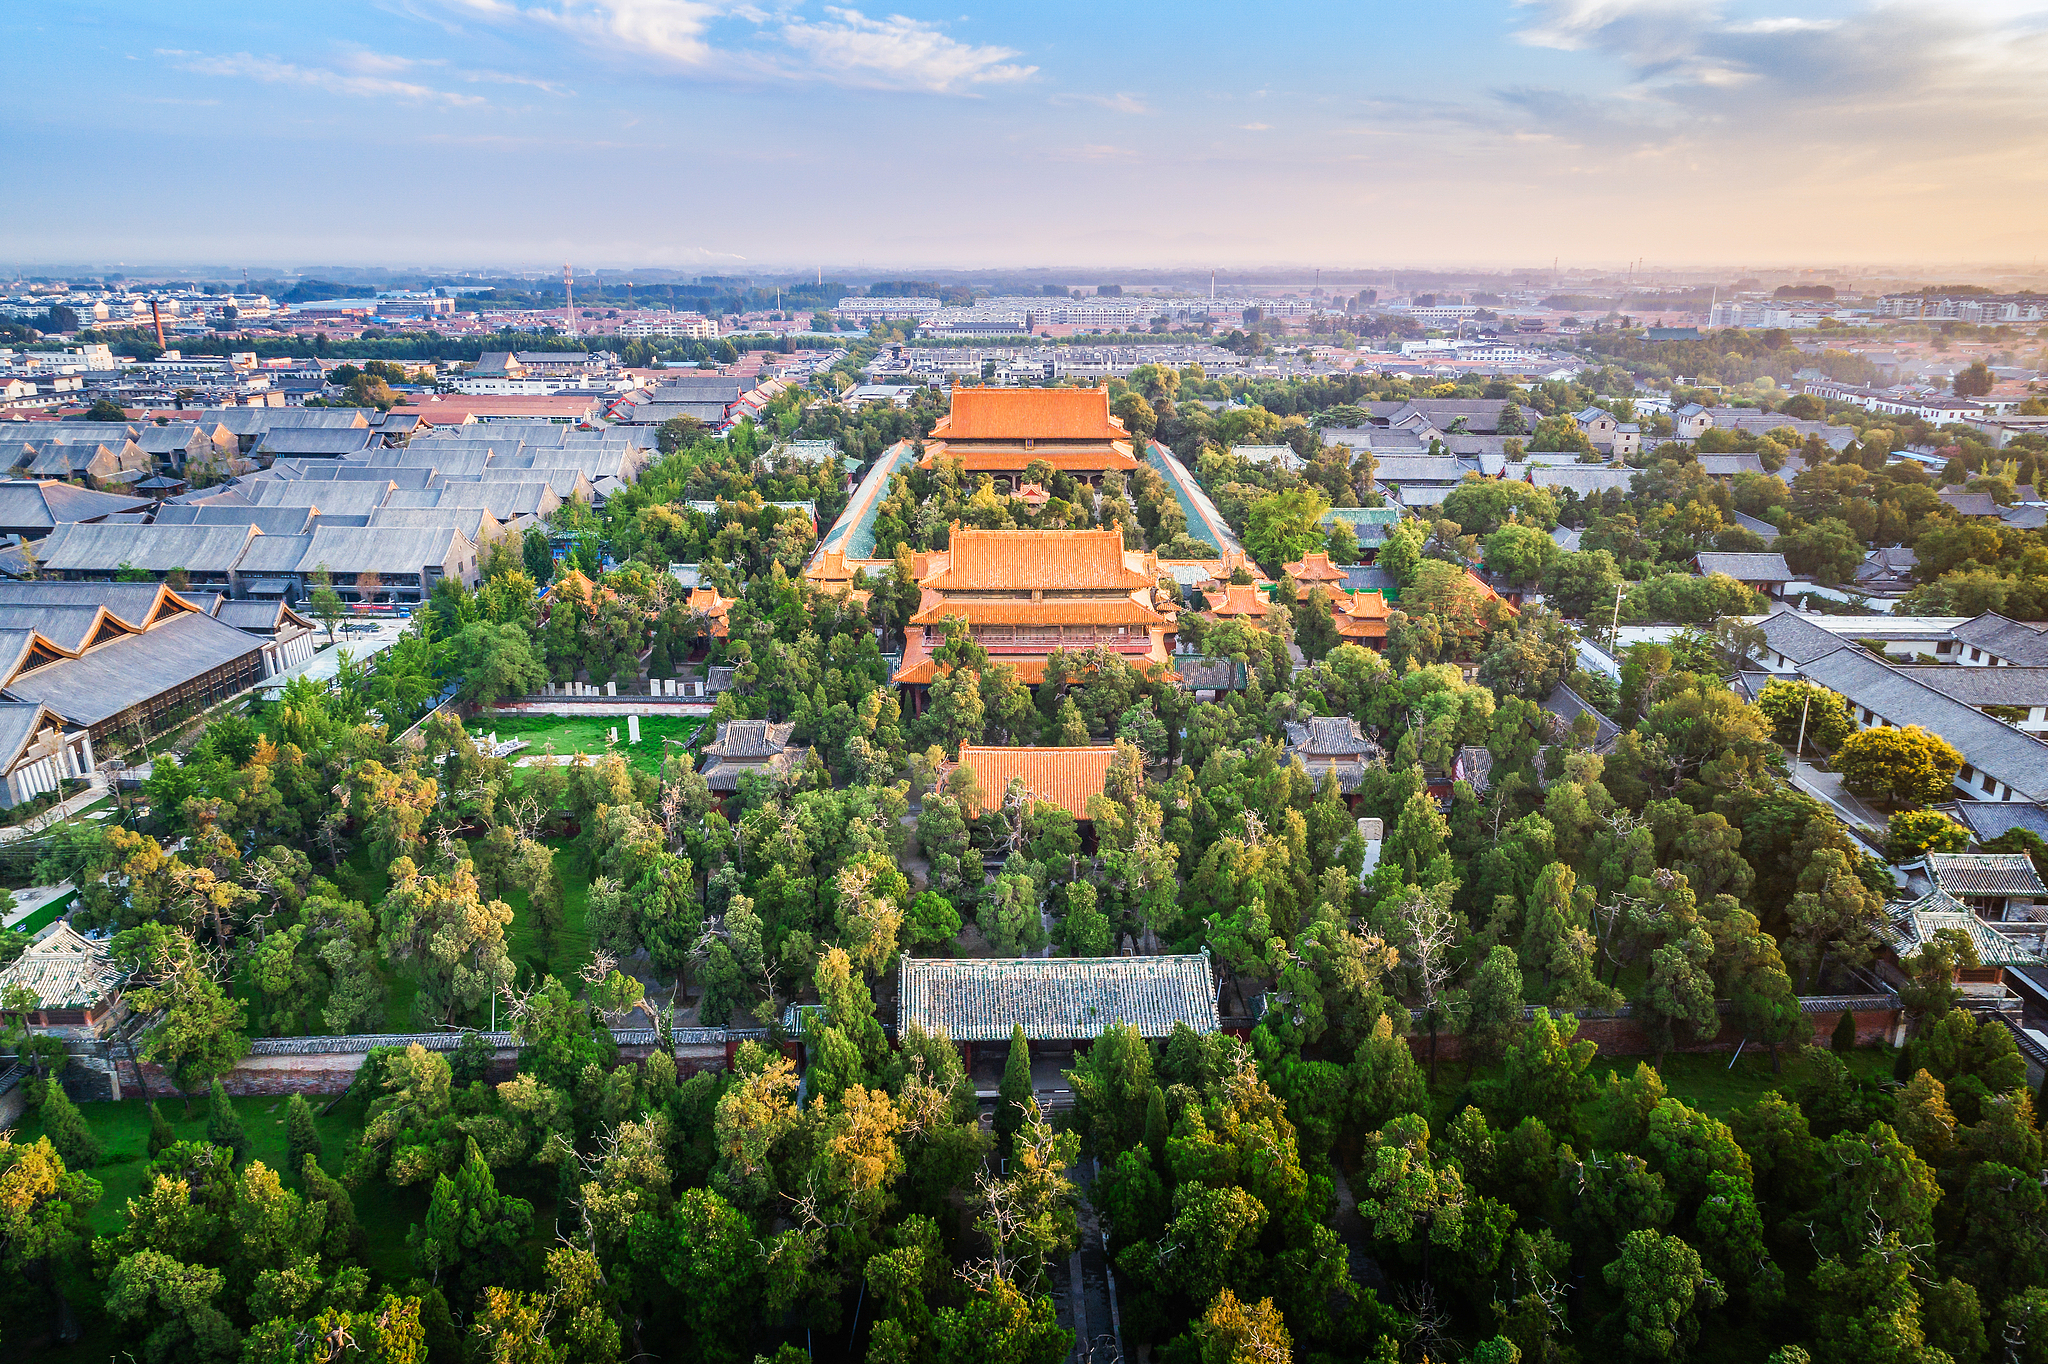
x: 27, y: 902
x: 57, y: 813
x: 1827, y: 787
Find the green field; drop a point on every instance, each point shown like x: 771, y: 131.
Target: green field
x: 1702, y: 1080
x: 590, y: 734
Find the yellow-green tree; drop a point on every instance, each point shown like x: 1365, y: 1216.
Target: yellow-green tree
x: 1904, y: 764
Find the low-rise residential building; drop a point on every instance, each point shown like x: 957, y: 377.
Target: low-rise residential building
x: 1765, y: 573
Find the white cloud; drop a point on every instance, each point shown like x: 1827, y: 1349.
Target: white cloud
x: 1256, y: 127
x: 898, y: 52
x: 1122, y: 102
x: 357, y: 84
x: 846, y: 47
x: 1784, y: 25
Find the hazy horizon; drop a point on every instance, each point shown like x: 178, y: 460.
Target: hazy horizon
x: 696, y: 134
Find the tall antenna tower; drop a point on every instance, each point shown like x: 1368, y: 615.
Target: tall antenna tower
x: 569, y: 296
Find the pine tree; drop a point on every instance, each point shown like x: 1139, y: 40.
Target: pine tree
x: 1015, y: 1090
x: 224, y: 1125
x: 1844, y: 1039
x: 161, y: 1137
x: 301, y: 1138
x: 66, y: 1128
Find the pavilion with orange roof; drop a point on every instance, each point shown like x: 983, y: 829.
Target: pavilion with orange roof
x: 1314, y: 570
x: 1002, y: 431
x: 1238, y: 601
x: 1024, y: 593
x: 1361, y: 618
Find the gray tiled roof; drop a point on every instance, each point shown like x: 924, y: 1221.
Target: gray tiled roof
x: 1985, y: 873
x: 1566, y: 705
x: 1327, y: 736
x: 1988, y: 819
x: 1727, y: 466
x: 1582, y: 479
x: 2020, y: 644
x: 1055, y: 998
x: 1971, y: 504
x: 1370, y: 578
x: 749, y: 739
x: 1395, y: 469
x: 269, y: 520
x: 27, y: 506
x: 1985, y: 686
x: 1211, y: 674
x: 352, y: 498
x: 115, y: 676
x: 2018, y: 760
x: 1924, y: 918
x: 1748, y: 568
x: 1762, y: 528
x: 96, y: 548
x: 1793, y: 636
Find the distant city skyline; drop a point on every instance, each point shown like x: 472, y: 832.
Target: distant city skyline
x: 697, y: 134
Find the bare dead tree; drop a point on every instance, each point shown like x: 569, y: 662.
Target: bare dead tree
x: 1432, y: 932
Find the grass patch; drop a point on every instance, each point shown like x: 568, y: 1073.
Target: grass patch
x: 591, y: 734
x: 48, y: 914
x: 572, y: 940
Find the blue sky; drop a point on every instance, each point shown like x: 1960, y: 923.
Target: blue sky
x: 701, y: 132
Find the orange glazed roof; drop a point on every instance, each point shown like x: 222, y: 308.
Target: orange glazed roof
x: 981, y: 458
x: 1100, y: 611
x: 1237, y: 599
x: 1029, y: 413
x: 1065, y: 777
x: 1015, y: 560
x: 1314, y: 567
x: 1363, y: 605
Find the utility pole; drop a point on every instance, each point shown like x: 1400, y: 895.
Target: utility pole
x: 569, y: 296
x: 1614, y: 626
x: 1800, y: 748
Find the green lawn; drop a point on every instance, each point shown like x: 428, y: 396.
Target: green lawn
x: 1703, y: 1080
x: 572, y: 941
x: 47, y: 915
x: 590, y: 734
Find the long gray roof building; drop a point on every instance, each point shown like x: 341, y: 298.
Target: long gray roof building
x: 1055, y: 999
x: 1999, y: 761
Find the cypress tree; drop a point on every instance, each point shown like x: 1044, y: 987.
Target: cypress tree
x: 345, y: 1240
x: 1155, y: 1125
x: 1015, y: 1090
x: 224, y: 1125
x: 301, y: 1137
x: 161, y: 1137
x: 1844, y: 1040
x: 66, y: 1128
x: 1903, y: 1068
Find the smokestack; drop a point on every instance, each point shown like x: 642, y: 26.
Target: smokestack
x: 157, y: 318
